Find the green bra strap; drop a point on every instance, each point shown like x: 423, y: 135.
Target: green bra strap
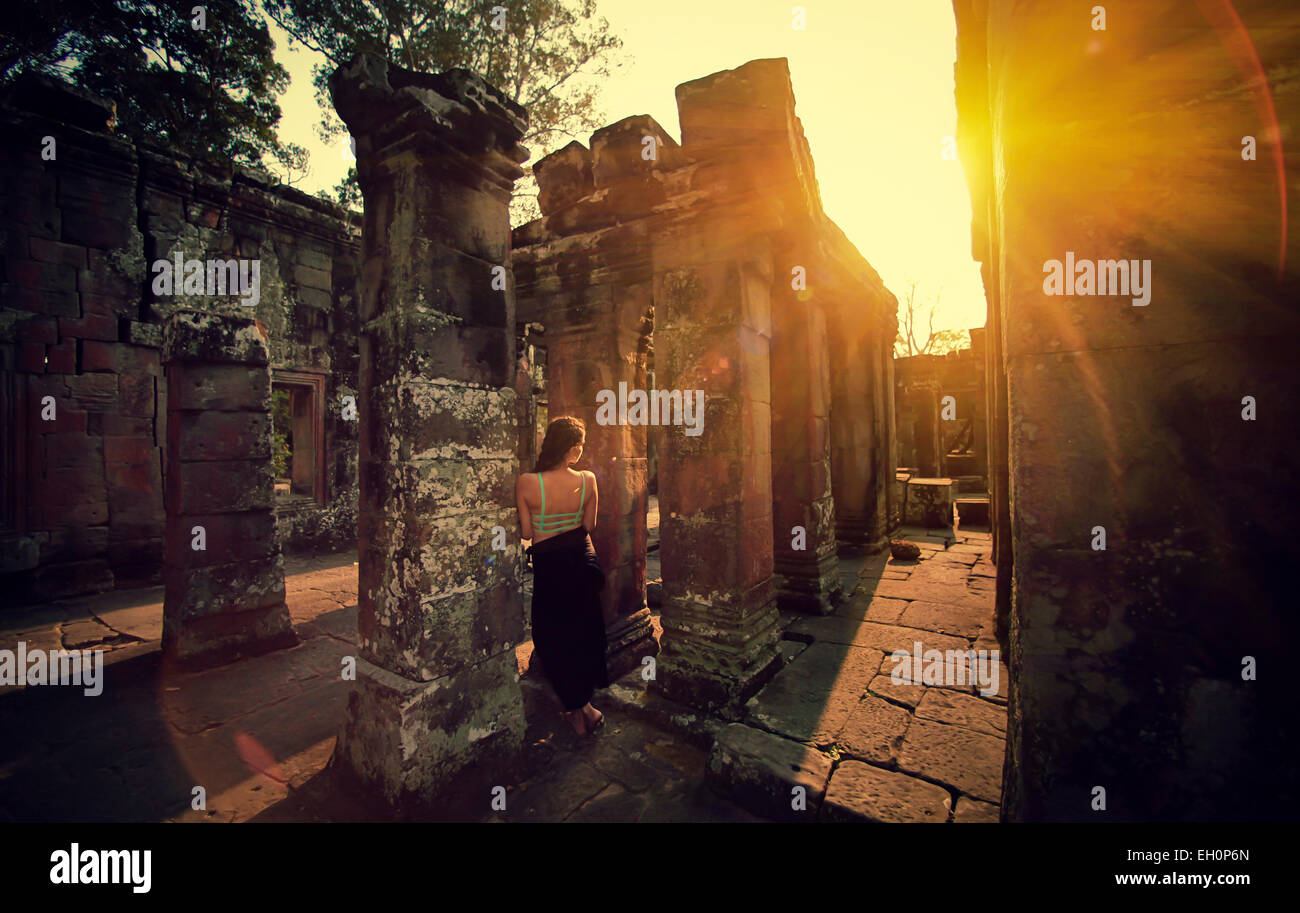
x: 543, y: 487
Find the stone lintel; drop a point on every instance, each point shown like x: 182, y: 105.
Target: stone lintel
x: 201, y: 336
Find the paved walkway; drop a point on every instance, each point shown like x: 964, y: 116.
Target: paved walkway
x: 137, y: 751
x: 256, y: 735
x: 870, y: 737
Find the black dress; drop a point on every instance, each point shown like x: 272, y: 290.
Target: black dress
x: 568, y: 625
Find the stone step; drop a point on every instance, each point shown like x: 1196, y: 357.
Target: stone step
x: 768, y: 775
x: 631, y: 694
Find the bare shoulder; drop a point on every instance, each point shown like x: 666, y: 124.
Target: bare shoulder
x: 527, y: 481
x: 591, y: 477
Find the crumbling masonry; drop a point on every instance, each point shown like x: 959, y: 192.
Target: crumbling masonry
x: 224, y: 572
x: 407, y: 390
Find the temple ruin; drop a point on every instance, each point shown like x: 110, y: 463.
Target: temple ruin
x: 416, y: 352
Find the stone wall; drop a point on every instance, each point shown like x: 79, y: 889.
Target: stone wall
x: 1153, y: 668
x: 86, y: 214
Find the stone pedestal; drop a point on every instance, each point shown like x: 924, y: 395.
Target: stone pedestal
x: 440, y: 609
x: 224, y: 574
x: 898, y: 502
x: 929, y: 502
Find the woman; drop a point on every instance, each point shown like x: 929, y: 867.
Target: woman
x: 557, y: 510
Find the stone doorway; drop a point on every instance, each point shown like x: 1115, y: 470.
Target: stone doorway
x: 298, y: 411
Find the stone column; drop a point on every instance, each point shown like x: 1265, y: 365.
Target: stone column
x: 440, y: 610
x: 803, y: 510
x: 979, y: 405
x: 589, y: 351
x: 925, y: 409
x: 224, y: 575
x: 593, y: 290
x: 526, y: 383
x: 712, y: 333
x: 854, y: 440
x: 882, y: 462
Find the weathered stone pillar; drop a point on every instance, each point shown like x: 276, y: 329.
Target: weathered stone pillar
x: 440, y: 609
x: 585, y: 357
x: 979, y: 406
x: 928, y: 434
x: 592, y: 291
x: 712, y: 333
x: 889, y: 456
x: 803, y: 510
x: 880, y: 472
x: 855, y: 438
x: 224, y: 576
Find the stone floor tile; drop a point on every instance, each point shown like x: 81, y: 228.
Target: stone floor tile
x: 956, y: 709
x: 960, y: 621
x: 860, y: 792
x: 970, y: 762
x: 760, y: 771
x: 905, y: 693
x: 810, y: 699
x: 973, y: 811
x: 874, y: 731
x: 884, y: 637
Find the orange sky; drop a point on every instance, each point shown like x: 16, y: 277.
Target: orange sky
x: 873, y: 87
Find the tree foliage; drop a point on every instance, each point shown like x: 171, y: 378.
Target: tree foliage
x: 547, y: 55
x: 208, y: 92
x: 911, y: 314
x: 281, y: 428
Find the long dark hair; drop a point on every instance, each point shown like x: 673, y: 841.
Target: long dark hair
x: 562, y: 435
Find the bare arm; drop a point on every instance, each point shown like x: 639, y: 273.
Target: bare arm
x: 589, y: 515
x: 525, y: 516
